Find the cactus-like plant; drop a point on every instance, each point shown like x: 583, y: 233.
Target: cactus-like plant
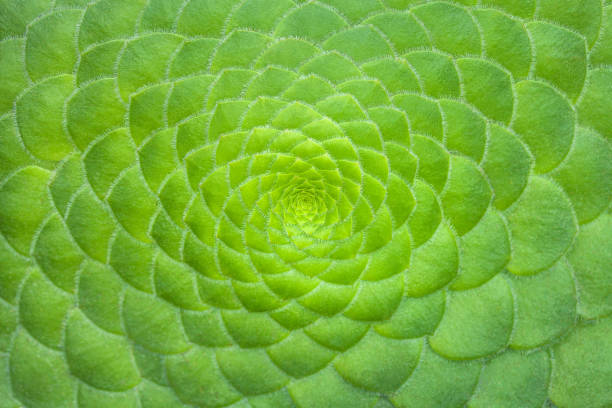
x: 288, y: 203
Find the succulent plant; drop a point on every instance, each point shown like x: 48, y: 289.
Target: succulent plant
x: 287, y: 203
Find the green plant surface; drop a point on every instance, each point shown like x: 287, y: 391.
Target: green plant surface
x: 309, y: 204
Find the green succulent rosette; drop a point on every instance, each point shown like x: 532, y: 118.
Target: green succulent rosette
x: 285, y: 203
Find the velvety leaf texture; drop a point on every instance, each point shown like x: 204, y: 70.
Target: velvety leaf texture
x: 305, y: 203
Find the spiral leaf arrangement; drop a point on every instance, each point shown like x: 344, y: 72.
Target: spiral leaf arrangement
x: 332, y: 203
